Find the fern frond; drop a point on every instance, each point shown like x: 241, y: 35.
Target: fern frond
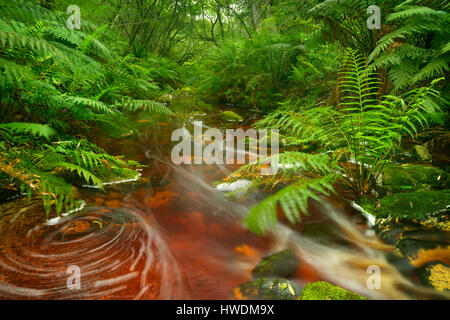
x: 35, y: 129
x: 293, y: 200
x: 144, y: 105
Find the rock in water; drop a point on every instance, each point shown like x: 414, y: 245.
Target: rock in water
x: 282, y: 264
x: 396, y: 178
x: 323, y: 232
x: 436, y: 274
x: 267, y: 289
x: 237, y: 189
x: 413, y: 205
x: 420, y: 252
x: 323, y: 290
x: 421, y: 153
x: 231, y: 116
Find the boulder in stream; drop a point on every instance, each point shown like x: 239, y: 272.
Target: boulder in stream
x: 436, y: 274
x: 231, y: 116
x: 282, y: 264
x: 323, y: 290
x: 322, y: 232
x: 406, y: 178
x: 421, y: 153
x: 414, y: 205
x: 419, y: 252
x: 267, y: 289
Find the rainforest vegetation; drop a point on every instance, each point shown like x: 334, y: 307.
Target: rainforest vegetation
x: 348, y: 97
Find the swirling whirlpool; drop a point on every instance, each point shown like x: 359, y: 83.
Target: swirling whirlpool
x: 96, y: 255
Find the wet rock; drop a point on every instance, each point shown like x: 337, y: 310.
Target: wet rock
x: 419, y: 252
x: 323, y: 290
x: 119, y: 216
x: 165, y: 98
x: 421, y: 153
x: 282, y: 264
x: 231, y: 116
x: 76, y: 227
x: 413, y: 205
x: 405, y: 178
x: 322, y: 232
x: 236, y: 189
x: 436, y: 274
x: 267, y: 289
x: 432, y: 227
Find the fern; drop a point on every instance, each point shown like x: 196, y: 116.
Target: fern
x: 360, y: 135
x: 145, y: 105
x: 410, y: 59
x: 34, y: 129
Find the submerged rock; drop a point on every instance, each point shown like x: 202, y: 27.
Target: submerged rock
x: 231, y: 116
x: 323, y: 290
x: 396, y: 178
x: 436, y: 274
x: 322, y: 232
x: 421, y: 153
x: 282, y: 264
x: 267, y: 289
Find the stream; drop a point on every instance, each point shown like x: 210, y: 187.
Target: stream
x: 173, y: 235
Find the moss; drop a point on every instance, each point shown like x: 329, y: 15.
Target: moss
x: 396, y: 178
x: 323, y: 290
x: 414, y: 205
x: 231, y: 116
x: 117, y: 175
x: 281, y: 264
x: 437, y: 275
x: 421, y: 153
x: 267, y: 289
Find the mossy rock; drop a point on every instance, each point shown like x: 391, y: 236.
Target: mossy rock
x: 282, y: 264
x: 267, y: 289
x: 405, y: 178
x: 436, y: 274
x: 323, y: 290
x: 414, y: 205
x: 322, y: 232
x: 421, y: 153
x: 115, y: 175
x: 433, y: 227
x: 231, y: 116
x: 420, y: 252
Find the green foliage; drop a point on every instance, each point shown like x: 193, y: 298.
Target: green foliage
x: 360, y: 134
x: 417, y: 49
x: 258, y: 71
x: 56, y: 83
